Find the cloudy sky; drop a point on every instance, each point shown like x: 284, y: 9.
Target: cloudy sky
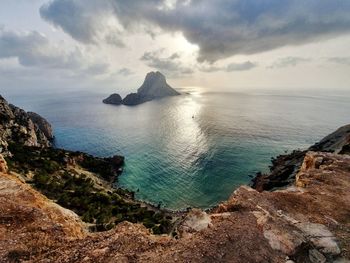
x: 109, y: 45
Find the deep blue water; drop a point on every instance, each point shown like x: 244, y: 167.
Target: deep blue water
x: 191, y: 150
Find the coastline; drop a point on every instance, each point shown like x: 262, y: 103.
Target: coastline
x: 86, y: 219
x: 285, y: 167
x: 75, y: 180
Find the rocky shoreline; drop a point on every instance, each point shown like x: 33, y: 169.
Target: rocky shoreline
x: 285, y: 167
x: 78, y: 181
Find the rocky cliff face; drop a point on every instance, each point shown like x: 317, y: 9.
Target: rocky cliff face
x: 42, y: 125
x: 3, y: 165
x: 154, y: 87
x: 285, y: 167
x: 18, y: 126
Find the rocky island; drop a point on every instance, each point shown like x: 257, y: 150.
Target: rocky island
x: 52, y: 201
x: 114, y: 99
x: 154, y: 86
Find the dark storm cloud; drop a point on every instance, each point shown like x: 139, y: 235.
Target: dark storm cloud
x: 83, y: 20
x: 220, y: 28
x: 77, y: 18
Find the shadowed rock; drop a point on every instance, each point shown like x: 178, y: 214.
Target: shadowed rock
x: 154, y: 87
x: 132, y: 99
x: 43, y: 124
x: 285, y: 167
x: 114, y: 99
x: 18, y: 126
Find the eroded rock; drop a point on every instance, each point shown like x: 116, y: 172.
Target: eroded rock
x: 17, y: 126
x: 3, y: 165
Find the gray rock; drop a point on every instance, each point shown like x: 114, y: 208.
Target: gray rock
x: 153, y: 87
x: 114, y: 99
x: 337, y: 142
x: 16, y: 126
x: 316, y: 257
x: 43, y: 124
x: 132, y: 99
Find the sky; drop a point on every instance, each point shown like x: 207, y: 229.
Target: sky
x: 231, y: 45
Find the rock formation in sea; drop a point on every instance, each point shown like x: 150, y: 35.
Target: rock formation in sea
x: 114, y: 99
x: 132, y: 99
x: 154, y: 86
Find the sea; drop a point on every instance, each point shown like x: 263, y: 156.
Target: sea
x: 191, y: 150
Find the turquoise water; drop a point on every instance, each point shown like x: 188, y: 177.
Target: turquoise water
x: 192, y: 150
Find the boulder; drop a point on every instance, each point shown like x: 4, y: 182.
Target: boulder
x: 3, y: 165
x: 132, y: 99
x: 114, y: 99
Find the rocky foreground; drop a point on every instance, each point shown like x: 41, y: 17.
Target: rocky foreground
x: 308, y: 221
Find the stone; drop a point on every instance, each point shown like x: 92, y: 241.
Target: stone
x: 42, y: 124
x: 316, y: 257
x: 18, y: 126
x: 196, y: 220
x: 3, y: 165
x: 320, y: 237
x: 285, y: 167
x: 154, y: 86
x: 114, y: 99
x: 132, y: 99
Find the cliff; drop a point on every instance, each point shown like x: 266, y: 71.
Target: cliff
x: 42, y: 125
x: 17, y: 126
x: 30, y: 223
x: 285, y: 167
x: 77, y: 181
x: 154, y: 86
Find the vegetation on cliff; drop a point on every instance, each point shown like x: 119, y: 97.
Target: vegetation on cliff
x: 59, y: 174
x: 75, y: 180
